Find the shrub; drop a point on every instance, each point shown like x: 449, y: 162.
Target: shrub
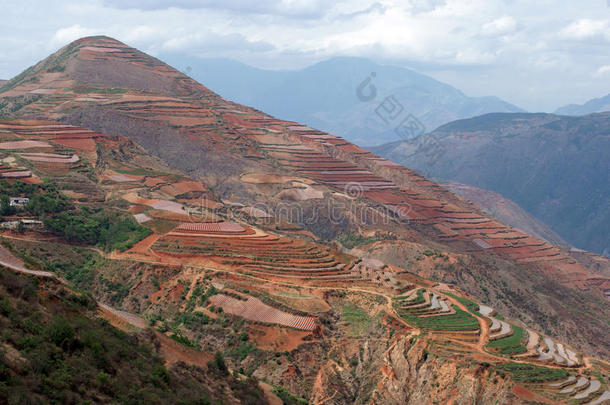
x: 218, y: 364
x: 287, y: 397
x: 60, y: 332
x: 103, y: 228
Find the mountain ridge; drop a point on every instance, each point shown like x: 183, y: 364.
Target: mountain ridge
x: 594, y: 105
x: 323, y: 95
x: 538, y: 147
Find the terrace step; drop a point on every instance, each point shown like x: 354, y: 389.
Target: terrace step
x: 505, y: 330
x: 581, y: 384
x: 594, y: 386
x: 602, y: 399
x: 562, y: 384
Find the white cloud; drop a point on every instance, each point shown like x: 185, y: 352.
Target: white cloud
x: 66, y: 35
x: 603, y: 70
x: 501, y: 26
x: 534, y: 54
x: 586, y: 29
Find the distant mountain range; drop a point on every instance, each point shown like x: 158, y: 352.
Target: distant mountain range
x: 592, y: 106
x: 335, y: 96
x: 554, y: 167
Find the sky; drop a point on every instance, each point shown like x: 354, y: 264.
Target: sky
x: 539, y: 54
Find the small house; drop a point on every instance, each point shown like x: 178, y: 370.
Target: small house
x: 32, y: 223
x: 18, y: 201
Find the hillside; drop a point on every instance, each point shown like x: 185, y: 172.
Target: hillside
x: 595, y: 105
x: 506, y: 211
x: 323, y: 96
x: 555, y: 167
x: 309, y: 263
x: 57, y: 349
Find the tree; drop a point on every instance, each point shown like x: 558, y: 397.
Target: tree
x: 5, y: 205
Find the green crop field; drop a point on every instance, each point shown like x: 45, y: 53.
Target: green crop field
x: 511, y: 344
x: 470, y: 305
x: 419, y: 298
x: 532, y: 374
x: 460, y: 321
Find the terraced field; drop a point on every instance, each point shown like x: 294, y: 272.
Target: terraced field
x: 517, y: 342
x: 412, y: 198
x: 510, y: 344
x: 255, y: 252
x: 580, y: 389
x: 47, y: 148
x: 254, y: 310
x: 430, y: 312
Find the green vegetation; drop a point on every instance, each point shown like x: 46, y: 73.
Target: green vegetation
x: 211, y: 291
x: 435, y: 254
x: 357, y: 318
x: 470, y: 305
x: 532, y: 374
x: 419, y: 298
x: 44, y: 198
x: 460, y: 321
x: 180, y: 338
x: 99, y: 227
x: 82, y: 267
x: 241, y: 351
x: 102, y: 227
x: 511, y: 344
x: 218, y: 365
x: 56, y: 68
x: 61, y: 352
x: 350, y: 241
x: 288, y: 398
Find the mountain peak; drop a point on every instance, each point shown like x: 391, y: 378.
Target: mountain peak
x: 592, y: 106
x: 102, y: 61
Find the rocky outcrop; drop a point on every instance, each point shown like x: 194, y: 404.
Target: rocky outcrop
x: 413, y: 375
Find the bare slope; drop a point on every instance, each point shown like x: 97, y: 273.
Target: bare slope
x: 506, y: 211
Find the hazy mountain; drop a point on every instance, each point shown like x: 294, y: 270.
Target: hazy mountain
x: 324, y: 95
x: 592, y: 106
x: 555, y: 167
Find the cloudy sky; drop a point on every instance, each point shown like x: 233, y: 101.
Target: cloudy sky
x: 538, y: 54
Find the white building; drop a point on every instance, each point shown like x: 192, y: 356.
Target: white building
x: 19, y: 201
